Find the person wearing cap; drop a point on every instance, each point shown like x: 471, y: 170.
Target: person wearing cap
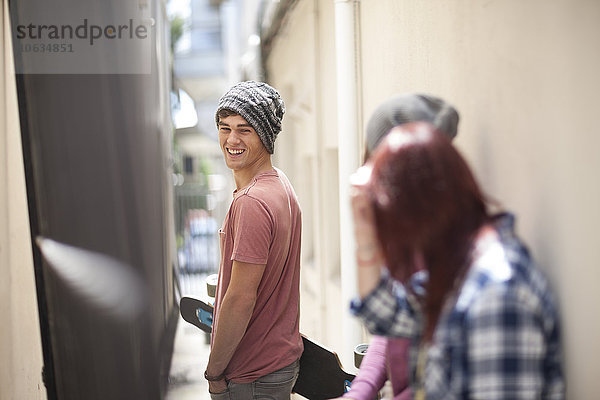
x: 256, y: 343
x: 481, y: 316
x: 387, y: 358
x: 410, y: 107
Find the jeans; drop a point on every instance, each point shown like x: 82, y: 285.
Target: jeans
x: 274, y: 386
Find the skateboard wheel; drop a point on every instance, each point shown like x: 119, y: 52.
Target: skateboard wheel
x: 359, y: 352
x: 211, y: 285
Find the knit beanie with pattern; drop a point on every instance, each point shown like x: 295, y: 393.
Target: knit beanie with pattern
x: 260, y: 105
x: 410, y: 107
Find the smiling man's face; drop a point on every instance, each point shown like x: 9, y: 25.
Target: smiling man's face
x: 242, y: 148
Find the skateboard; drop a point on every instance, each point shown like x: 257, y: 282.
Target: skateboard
x: 321, y: 374
x: 197, y: 313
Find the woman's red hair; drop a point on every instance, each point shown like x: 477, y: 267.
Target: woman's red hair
x: 426, y: 200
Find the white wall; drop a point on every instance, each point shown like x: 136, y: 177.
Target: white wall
x: 524, y: 77
x: 20, y: 343
x: 302, y: 68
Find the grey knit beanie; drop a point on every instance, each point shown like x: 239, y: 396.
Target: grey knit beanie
x: 410, y: 107
x: 260, y: 105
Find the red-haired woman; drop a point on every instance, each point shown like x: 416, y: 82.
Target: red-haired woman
x: 481, y: 316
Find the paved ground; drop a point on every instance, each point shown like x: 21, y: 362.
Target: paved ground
x: 190, y: 353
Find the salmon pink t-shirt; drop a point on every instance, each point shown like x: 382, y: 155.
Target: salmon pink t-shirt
x: 263, y: 226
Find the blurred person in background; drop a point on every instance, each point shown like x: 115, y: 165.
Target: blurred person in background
x: 387, y: 358
x: 481, y: 316
x: 256, y: 343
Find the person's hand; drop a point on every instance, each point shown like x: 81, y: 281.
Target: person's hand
x: 368, y: 252
x: 217, y: 387
x: 367, y: 245
x: 369, y: 256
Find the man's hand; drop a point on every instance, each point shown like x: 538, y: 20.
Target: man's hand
x: 216, y: 387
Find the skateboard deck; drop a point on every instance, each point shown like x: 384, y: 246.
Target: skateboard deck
x: 321, y: 374
x: 197, y: 313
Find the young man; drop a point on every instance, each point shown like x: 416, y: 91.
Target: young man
x: 256, y: 342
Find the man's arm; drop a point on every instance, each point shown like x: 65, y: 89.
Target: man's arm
x: 234, y: 314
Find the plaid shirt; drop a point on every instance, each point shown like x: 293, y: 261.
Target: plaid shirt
x: 498, y: 338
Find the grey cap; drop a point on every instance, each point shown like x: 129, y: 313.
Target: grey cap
x: 410, y: 107
x: 260, y: 105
